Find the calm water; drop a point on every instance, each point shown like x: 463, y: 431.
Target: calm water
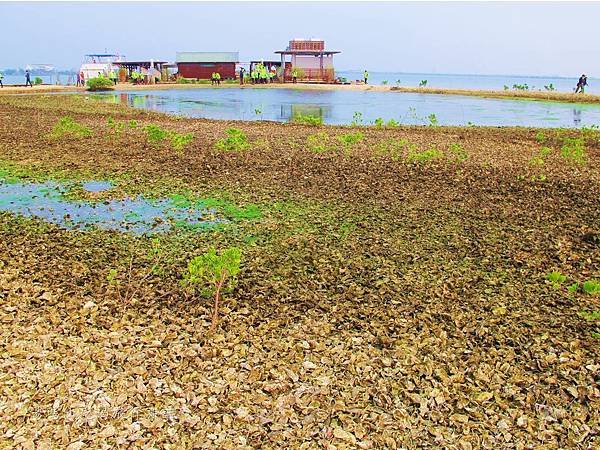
x: 137, y: 215
x: 341, y: 107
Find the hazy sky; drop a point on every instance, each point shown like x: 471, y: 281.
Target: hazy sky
x: 521, y: 38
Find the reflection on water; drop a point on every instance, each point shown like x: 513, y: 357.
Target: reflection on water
x: 339, y: 107
x: 576, y: 117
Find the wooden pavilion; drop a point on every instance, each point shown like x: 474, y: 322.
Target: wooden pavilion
x: 309, y: 57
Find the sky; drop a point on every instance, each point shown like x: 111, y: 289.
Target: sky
x: 521, y: 38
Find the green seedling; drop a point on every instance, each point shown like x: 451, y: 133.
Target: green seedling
x: 155, y: 134
x: 423, y: 83
x: 459, y: 153
x: 378, y: 122
x: 349, y: 140
x: 573, y: 288
x: 236, y: 141
x: 67, y: 126
x: 433, y: 121
x: 424, y: 156
x: 392, y: 123
x: 573, y: 150
x: 392, y: 148
x: 591, y: 287
x: 180, y: 141
x: 556, y: 278
x: 308, y: 120
x: 357, y: 118
x: 213, y: 275
x: 592, y: 316
x: 384, y: 82
x: 318, y: 143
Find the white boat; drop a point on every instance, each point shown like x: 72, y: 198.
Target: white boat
x: 97, y: 64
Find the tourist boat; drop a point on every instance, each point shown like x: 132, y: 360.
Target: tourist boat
x: 96, y: 64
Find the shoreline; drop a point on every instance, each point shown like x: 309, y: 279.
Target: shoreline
x: 560, y: 97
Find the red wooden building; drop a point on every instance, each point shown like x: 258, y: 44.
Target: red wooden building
x: 201, y: 65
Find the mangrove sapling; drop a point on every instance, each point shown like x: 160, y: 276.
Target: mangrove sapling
x: 392, y: 123
x: 180, y: 141
x: 384, y: 82
x: 213, y: 275
x: 392, y: 148
x: 590, y: 315
x: 541, y: 137
x: 318, y: 143
x: 378, y: 122
x: 424, y: 156
x: 155, y: 135
x: 591, y: 287
x: 433, y: 121
x: 573, y: 150
x: 349, y: 140
x: 308, y: 120
x: 357, y: 119
x: 398, y: 82
x: 67, y: 126
x: 459, y: 153
x: 550, y: 87
x: 236, y: 141
x: 556, y: 278
x: 423, y: 83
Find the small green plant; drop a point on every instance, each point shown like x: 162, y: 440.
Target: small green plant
x: 506, y: 87
x: 395, y: 149
x: 384, y: 82
x: 213, y: 275
x: 423, y: 83
x: 541, y: 137
x: 349, y: 140
x: 99, y: 84
x: 357, y: 118
x: 590, y: 315
x: 37, y: 81
x: 539, y: 159
x: 132, y: 124
x: 378, y: 122
x: 155, y: 134
x: 556, y: 278
x: 179, y: 141
x: 521, y: 87
x: 591, y: 287
x: 318, y: 143
x: 392, y: 123
x: 236, y: 141
x: 424, y: 156
x: 459, y: 153
x: 67, y: 126
x: 308, y: 120
x: 398, y: 82
x: 258, y: 111
x: 433, y: 121
x: 573, y: 150
x: 550, y: 87
x: 573, y: 288
x: 115, y: 126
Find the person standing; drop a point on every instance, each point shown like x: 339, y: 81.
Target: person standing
x: 581, y: 84
x: 366, y: 77
x: 294, y: 75
x: 113, y: 76
x: 28, y: 79
x: 1, y: 78
x: 242, y: 72
x: 218, y: 78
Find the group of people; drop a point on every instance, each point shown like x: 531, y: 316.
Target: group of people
x: 215, y: 79
x: 262, y: 74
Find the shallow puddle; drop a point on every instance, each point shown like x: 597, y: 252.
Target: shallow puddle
x: 137, y: 215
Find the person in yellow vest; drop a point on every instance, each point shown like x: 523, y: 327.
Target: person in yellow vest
x: 1, y: 78
x: 366, y: 76
x: 113, y: 76
x: 218, y: 78
x: 213, y: 78
x: 294, y: 75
